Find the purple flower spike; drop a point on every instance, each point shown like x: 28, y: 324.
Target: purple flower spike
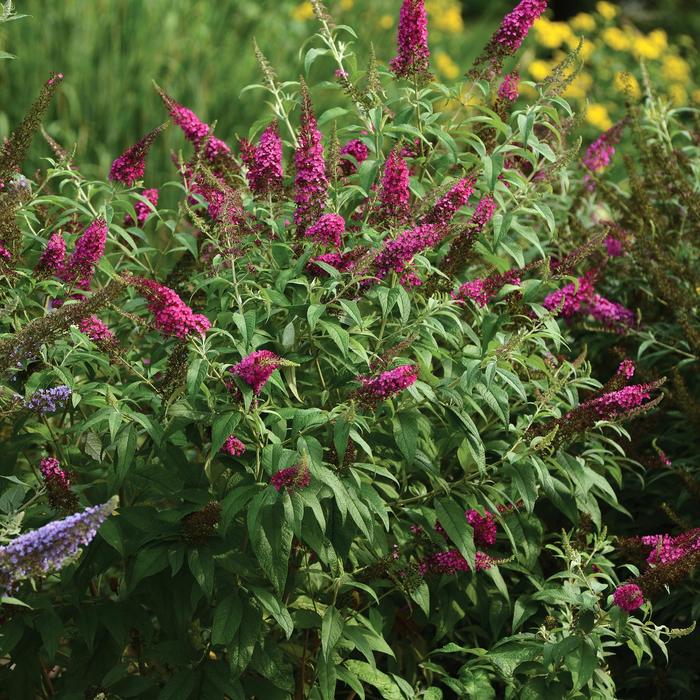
x: 48, y: 549
x: 45, y: 401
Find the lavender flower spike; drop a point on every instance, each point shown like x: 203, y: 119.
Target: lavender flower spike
x: 45, y: 401
x: 48, y: 549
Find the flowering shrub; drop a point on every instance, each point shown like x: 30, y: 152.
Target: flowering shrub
x: 317, y: 430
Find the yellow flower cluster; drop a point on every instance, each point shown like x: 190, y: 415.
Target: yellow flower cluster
x: 552, y: 35
x: 626, y: 47
x: 598, y: 117
x: 303, y: 11
x: 446, y: 66
x: 445, y: 15
x: 606, y: 10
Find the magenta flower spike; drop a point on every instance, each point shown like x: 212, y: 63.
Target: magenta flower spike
x: 328, y: 230
x: 264, y: 162
x: 171, y: 316
x: 88, y: 250
x: 130, y: 166
x: 53, y: 258
x: 394, y: 193
x: 413, y: 57
x: 310, y: 181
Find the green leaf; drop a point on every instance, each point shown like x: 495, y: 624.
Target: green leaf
x: 386, y: 686
x: 313, y: 313
x: 149, y: 561
x: 405, y: 426
x: 331, y: 631
x: 452, y: 518
x: 271, y: 538
x: 201, y: 565
x: 327, y: 678
x: 276, y: 609
x: 582, y: 663
x: 224, y: 426
x: 50, y: 628
x: 227, y: 619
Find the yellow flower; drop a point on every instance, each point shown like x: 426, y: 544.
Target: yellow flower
x: 659, y: 38
x: 597, y: 116
x: 346, y: 4
x: 645, y: 47
x: 579, y: 87
x: 696, y: 98
x: 303, y: 11
x: 616, y: 39
x: 582, y: 22
x: 446, y: 65
x: 674, y: 68
x: 445, y: 15
x: 540, y: 69
x: 623, y: 81
x: 678, y: 94
x: 552, y: 35
x: 386, y: 21
x: 607, y: 10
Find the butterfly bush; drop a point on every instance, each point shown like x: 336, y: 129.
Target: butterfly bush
x: 363, y: 387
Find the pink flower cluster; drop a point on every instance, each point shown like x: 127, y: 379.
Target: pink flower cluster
x: 599, y: 154
x: 340, y: 261
x: 413, y: 57
x: 484, y: 527
x: 482, y: 291
x: 171, y: 316
x: 446, y: 207
x: 626, y: 369
x: 394, y: 193
x: 233, y: 446
x: 196, y: 131
x: 357, y: 149
x: 51, y: 470
x: 397, y: 253
x: 388, y: 383
x: 483, y: 213
x: 5, y: 253
x: 613, y: 403
x: 516, y: 25
x: 452, y: 562
x: 131, y: 165
x: 667, y: 548
x: 256, y: 368
x: 95, y: 329
x: 143, y: 211
x: 328, y: 230
x: 628, y: 596
x: 296, y: 477
x: 88, y: 250
x: 53, y: 258
x: 581, y: 299
x: 509, y: 88
x: 310, y: 181
x: 264, y: 162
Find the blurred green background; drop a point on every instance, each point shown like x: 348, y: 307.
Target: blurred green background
x: 201, y: 53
